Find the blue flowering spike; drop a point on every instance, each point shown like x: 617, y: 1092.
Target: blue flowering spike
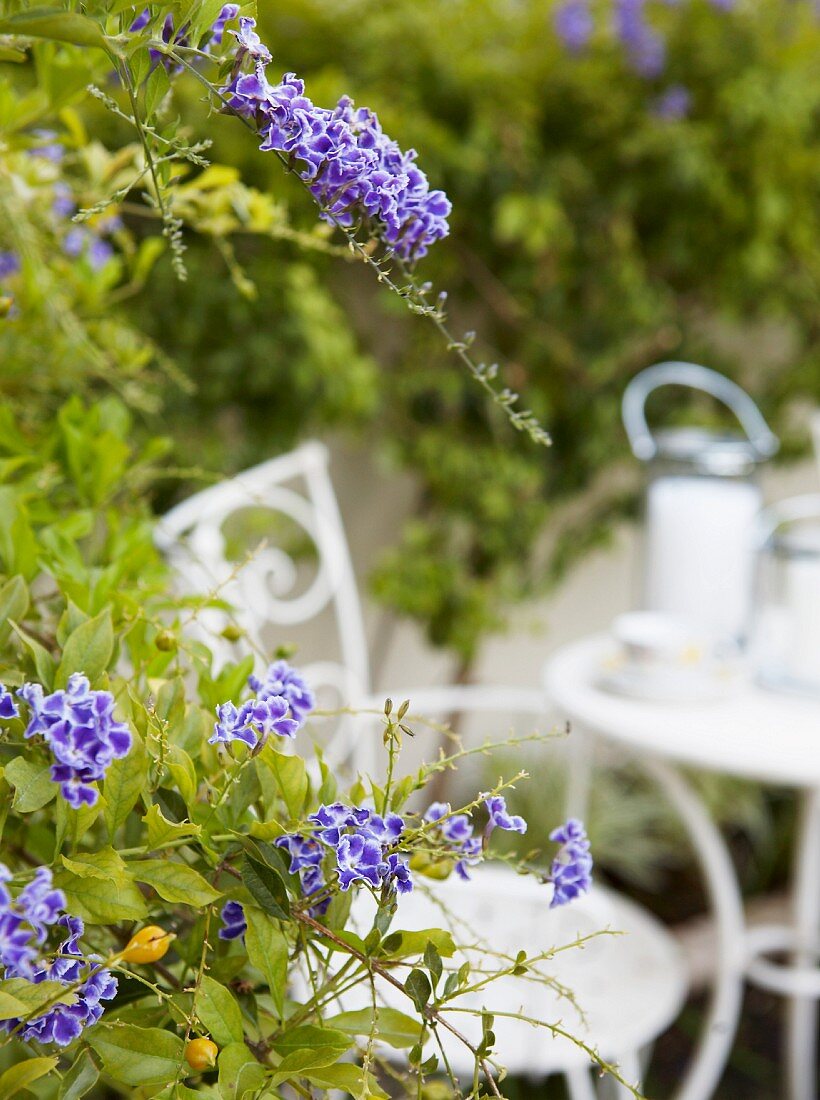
x: 353, y: 169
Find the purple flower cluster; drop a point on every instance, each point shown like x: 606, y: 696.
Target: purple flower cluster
x: 456, y: 830
x: 283, y: 681
x: 79, y: 727
x: 571, y: 870
x: 171, y: 36
x: 24, y: 928
x: 234, y: 925
x: 456, y: 833
x: 282, y: 703
x: 353, y: 169
x: 363, y: 844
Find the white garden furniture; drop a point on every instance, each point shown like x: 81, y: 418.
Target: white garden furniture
x: 755, y: 734
x: 631, y: 985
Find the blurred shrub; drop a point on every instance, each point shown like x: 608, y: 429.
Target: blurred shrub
x: 594, y: 232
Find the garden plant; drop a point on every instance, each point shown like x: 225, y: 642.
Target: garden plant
x: 179, y: 865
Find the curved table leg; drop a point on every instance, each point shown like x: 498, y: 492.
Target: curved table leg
x: 724, y: 896
x: 801, y: 1049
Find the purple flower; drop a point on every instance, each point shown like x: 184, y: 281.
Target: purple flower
x: 8, y: 707
x: 304, y: 852
x: 250, y: 43
x: 9, y: 264
x: 673, y: 104
x: 499, y: 818
x: 282, y: 680
x: 229, y: 11
x: 253, y: 722
x: 79, y: 727
x: 571, y: 870
x: 359, y: 859
x: 573, y: 24
x: 234, y: 924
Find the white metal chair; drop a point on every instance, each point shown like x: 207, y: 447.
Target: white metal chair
x: 631, y: 986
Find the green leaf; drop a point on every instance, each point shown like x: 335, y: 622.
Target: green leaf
x: 299, y: 1062
x: 62, y: 26
x: 15, y: 992
x: 99, y: 888
x: 22, y: 1075
x: 175, y: 882
x: 290, y: 775
x: 105, y: 864
x: 267, y: 948
x: 137, y: 1055
x: 80, y: 1079
x: 89, y: 649
x: 14, y: 603
x: 123, y: 784
x: 239, y: 1072
x: 219, y: 1012
x: 402, y: 944
x: 156, y: 89
x: 267, y: 887
x: 351, y: 1079
x: 432, y: 960
x: 161, y: 831
x: 182, y: 771
x: 310, y: 1037
x: 394, y: 1027
x: 44, y: 663
x: 418, y: 988
x: 32, y: 784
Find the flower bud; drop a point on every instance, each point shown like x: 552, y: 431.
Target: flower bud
x: 148, y: 945
x: 165, y: 641
x: 201, y: 1054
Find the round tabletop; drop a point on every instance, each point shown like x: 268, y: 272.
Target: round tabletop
x: 751, y: 732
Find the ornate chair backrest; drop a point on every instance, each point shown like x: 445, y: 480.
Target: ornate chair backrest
x: 227, y: 542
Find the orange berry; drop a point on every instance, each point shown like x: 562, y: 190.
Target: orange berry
x: 201, y: 1054
x: 148, y: 945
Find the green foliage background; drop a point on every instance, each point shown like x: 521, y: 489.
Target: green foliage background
x: 590, y: 239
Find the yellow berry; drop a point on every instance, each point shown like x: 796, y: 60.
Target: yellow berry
x: 201, y: 1054
x: 148, y: 945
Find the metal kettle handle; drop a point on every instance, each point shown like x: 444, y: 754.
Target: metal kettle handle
x: 695, y: 377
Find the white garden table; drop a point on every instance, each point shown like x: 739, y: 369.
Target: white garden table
x: 753, y: 734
